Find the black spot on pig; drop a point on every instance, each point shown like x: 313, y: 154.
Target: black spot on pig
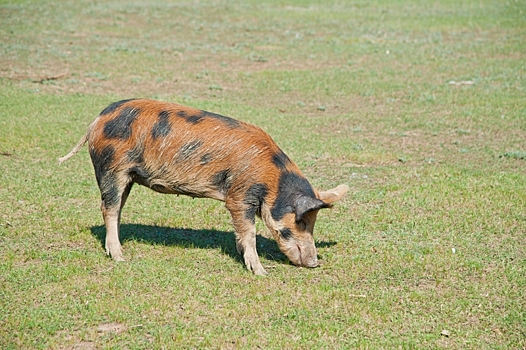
x: 232, y: 123
x: 120, y: 126
x: 286, y: 233
x: 222, y: 180
x: 114, y: 106
x: 182, y: 114
x: 281, y: 160
x: 163, y: 126
x: 106, y: 179
x: 102, y: 161
x: 188, y: 149
x: 135, y: 155
x: 291, y: 188
x: 205, y: 159
x: 254, y: 198
x: 140, y: 175
x: 190, y: 118
x: 110, y: 194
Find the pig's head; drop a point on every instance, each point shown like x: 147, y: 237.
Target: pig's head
x: 293, y: 217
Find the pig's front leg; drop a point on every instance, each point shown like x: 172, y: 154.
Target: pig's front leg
x: 246, y: 240
x: 246, y: 245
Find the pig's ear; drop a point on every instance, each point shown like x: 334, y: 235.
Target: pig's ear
x: 306, y: 204
x: 334, y: 195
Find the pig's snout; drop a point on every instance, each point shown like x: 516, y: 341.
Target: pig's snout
x: 311, y: 262
x: 299, y: 254
x: 309, y: 258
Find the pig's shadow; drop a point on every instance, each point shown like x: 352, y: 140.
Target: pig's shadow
x: 190, y: 238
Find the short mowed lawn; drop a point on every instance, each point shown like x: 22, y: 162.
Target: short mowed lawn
x: 420, y: 107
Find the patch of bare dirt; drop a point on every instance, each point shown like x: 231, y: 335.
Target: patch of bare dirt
x: 77, y: 343
x: 113, y: 327
x: 83, y: 345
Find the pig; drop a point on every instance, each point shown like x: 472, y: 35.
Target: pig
x: 180, y: 150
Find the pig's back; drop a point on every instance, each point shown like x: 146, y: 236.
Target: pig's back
x: 175, y: 149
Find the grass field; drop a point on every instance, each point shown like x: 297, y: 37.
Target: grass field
x: 420, y: 107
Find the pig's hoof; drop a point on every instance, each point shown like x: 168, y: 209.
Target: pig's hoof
x: 253, y: 264
x: 260, y: 271
x: 256, y: 268
x: 115, y: 253
x: 117, y: 258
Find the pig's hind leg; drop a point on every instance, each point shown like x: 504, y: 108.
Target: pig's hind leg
x: 113, y: 199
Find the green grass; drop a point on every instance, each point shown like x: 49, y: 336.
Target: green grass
x: 431, y: 237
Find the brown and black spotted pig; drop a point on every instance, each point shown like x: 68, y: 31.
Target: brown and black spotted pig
x: 174, y: 149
